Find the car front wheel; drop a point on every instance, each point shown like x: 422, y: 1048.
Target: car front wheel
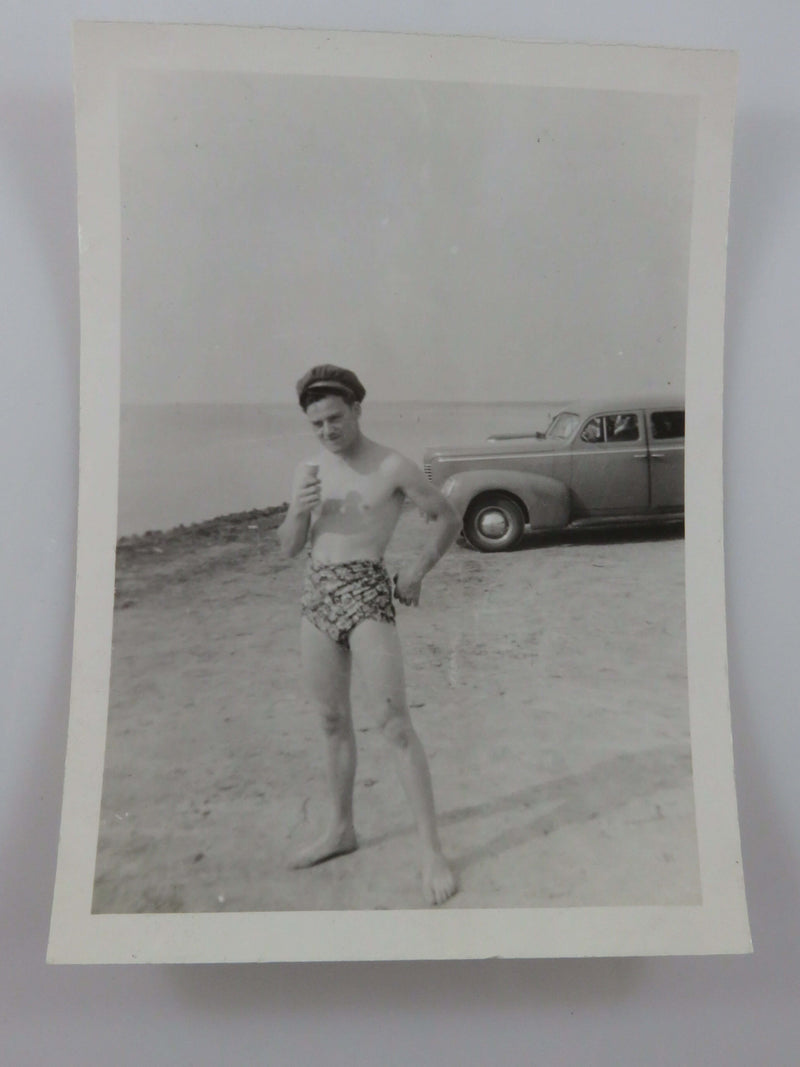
x: 494, y: 523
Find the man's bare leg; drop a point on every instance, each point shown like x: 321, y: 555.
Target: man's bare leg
x: 326, y: 669
x: 379, y: 659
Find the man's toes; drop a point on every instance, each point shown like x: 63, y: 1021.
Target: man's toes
x: 441, y: 887
x: 446, y: 891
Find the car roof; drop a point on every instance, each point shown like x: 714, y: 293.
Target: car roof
x: 621, y: 403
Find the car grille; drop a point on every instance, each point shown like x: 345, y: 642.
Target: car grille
x: 428, y: 472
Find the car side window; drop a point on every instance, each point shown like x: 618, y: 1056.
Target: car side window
x: 592, y: 433
x: 623, y: 427
x: 667, y: 424
x: 611, y: 428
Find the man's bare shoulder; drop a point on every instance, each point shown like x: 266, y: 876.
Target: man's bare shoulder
x: 408, y: 478
x: 402, y: 470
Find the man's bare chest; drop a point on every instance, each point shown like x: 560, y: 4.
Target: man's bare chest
x: 352, y: 493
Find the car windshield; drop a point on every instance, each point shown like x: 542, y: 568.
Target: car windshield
x: 563, y: 426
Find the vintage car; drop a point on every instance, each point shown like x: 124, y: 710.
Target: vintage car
x: 596, y: 464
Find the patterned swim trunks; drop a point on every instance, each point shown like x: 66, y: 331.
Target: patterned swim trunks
x: 338, y: 596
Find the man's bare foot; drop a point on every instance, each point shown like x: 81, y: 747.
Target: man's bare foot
x: 439, y: 882
x: 333, y: 843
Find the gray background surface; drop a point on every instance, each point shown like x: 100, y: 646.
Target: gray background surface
x: 602, y: 1012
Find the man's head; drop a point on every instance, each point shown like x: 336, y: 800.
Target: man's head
x: 329, y: 380
x: 331, y: 398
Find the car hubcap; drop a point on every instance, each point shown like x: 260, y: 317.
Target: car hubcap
x: 493, y: 524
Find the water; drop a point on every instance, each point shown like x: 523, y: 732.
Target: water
x: 182, y: 463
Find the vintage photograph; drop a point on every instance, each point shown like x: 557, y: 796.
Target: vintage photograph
x: 399, y: 567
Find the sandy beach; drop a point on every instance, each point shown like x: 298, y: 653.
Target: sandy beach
x: 548, y: 686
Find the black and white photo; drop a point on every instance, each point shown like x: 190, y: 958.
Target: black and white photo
x: 400, y: 614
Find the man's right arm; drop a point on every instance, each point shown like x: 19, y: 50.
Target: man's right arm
x: 293, y: 531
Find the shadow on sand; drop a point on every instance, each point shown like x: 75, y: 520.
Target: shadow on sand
x: 574, y: 799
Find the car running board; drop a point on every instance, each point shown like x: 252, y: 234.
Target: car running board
x: 627, y: 520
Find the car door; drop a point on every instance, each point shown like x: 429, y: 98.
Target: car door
x: 666, y: 430
x: 610, y: 467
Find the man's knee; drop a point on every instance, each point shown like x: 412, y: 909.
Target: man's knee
x: 396, y: 726
x: 335, y: 718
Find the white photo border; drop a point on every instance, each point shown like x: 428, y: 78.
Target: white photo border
x: 719, y: 924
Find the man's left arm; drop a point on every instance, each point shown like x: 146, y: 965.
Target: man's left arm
x: 444, y: 525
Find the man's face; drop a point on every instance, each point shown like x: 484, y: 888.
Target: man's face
x: 335, y: 422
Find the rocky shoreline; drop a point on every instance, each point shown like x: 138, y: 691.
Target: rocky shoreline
x: 241, y: 526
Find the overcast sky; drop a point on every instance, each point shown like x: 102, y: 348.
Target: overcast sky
x: 447, y: 241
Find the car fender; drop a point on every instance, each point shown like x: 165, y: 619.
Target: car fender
x: 546, y: 500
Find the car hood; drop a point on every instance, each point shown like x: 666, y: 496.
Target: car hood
x: 522, y: 445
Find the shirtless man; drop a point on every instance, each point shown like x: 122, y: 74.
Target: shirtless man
x: 347, y: 503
